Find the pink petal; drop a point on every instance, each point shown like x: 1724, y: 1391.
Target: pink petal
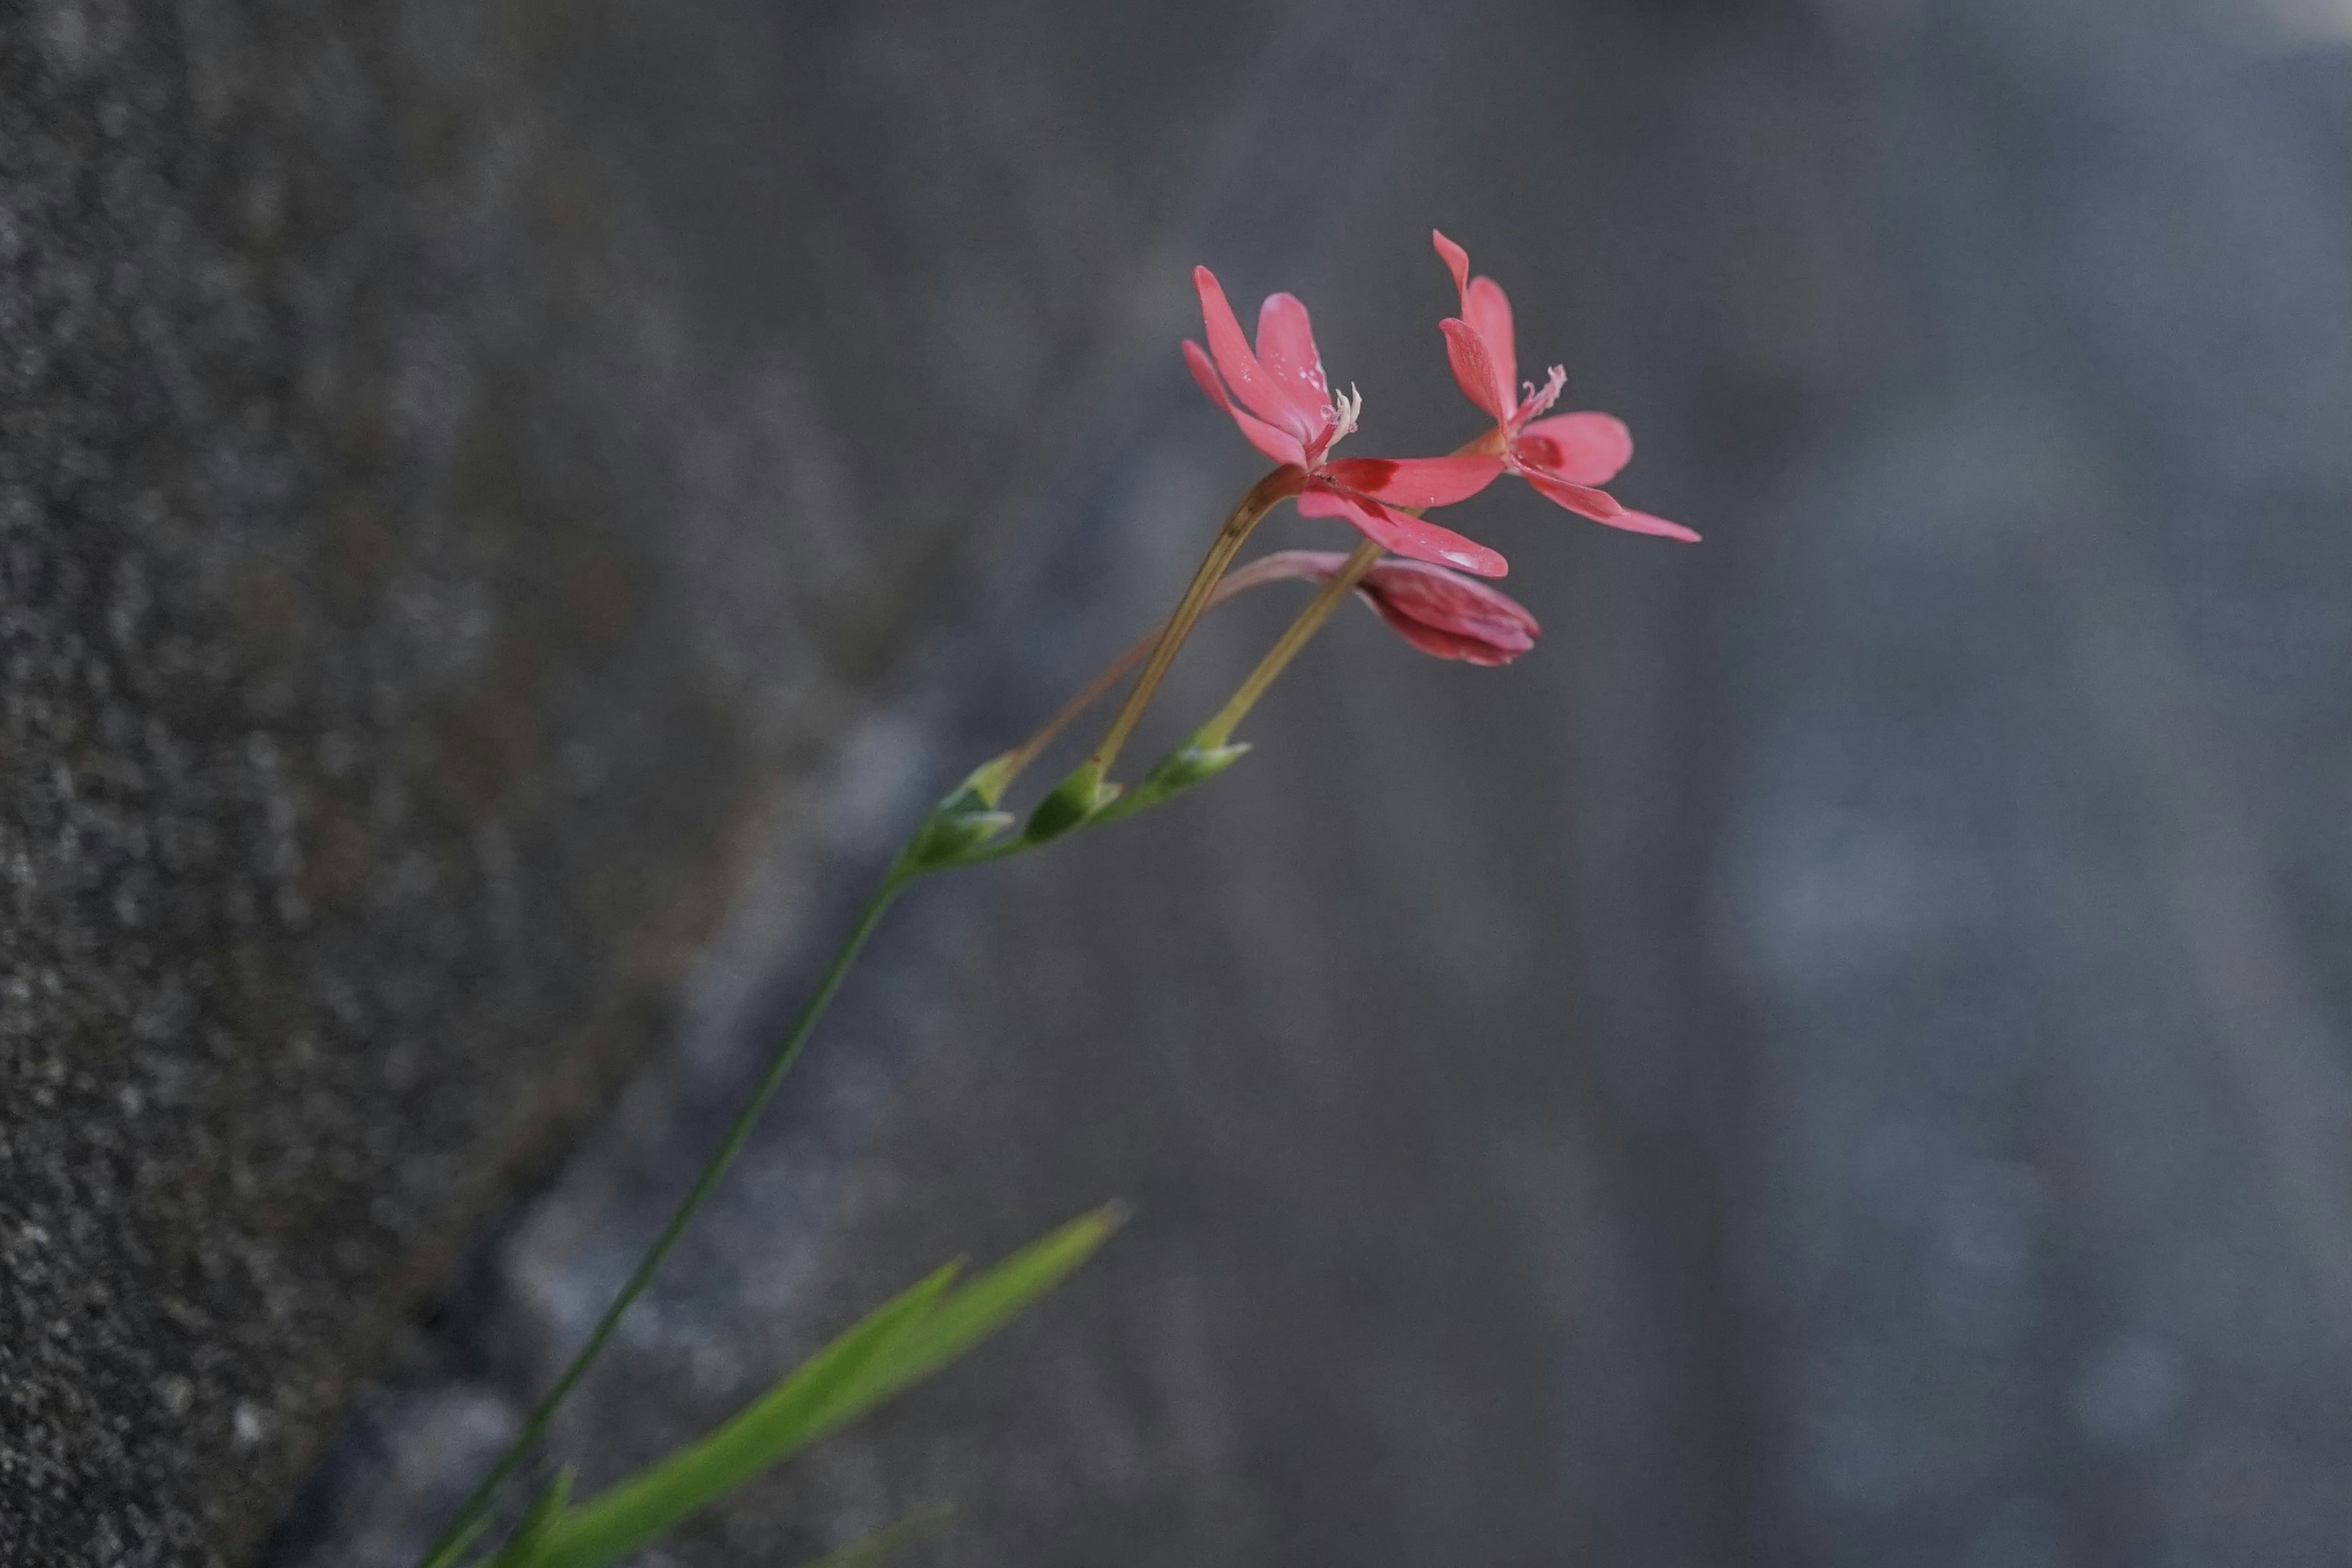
x: 1633, y: 522
x: 1279, y: 566
x: 1457, y: 261
x: 1406, y: 534
x: 1442, y: 645
x: 1415, y: 481
x: 1474, y: 369
x: 1583, y: 449
x: 1286, y: 349
x: 1488, y: 310
x: 1248, y: 379
x: 1598, y: 505
x: 1411, y: 593
x: 1278, y: 445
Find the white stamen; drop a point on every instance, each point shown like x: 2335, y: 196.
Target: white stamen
x: 1346, y: 407
x: 1536, y: 402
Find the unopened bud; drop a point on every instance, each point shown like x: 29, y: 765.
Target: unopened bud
x: 1448, y: 615
x: 1071, y: 802
x: 961, y: 824
x: 1185, y: 767
x: 1437, y: 611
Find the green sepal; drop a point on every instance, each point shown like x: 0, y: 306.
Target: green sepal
x: 963, y: 825
x: 1071, y: 802
x: 1185, y: 767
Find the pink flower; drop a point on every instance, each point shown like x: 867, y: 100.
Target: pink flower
x: 1566, y: 456
x: 1437, y: 611
x: 1293, y: 417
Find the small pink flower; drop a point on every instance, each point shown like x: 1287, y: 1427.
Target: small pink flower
x: 1567, y: 456
x: 1294, y: 418
x: 1437, y: 611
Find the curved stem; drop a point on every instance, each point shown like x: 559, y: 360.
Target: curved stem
x: 1111, y: 675
x: 1220, y: 729
x: 738, y: 1133
x: 1263, y: 497
x: 1362, y: 559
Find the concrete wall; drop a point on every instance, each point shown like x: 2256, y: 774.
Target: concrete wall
x: 1838, y: 1057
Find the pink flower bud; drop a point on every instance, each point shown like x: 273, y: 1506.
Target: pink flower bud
x: 1448, y: 615
x: 1439, y: 611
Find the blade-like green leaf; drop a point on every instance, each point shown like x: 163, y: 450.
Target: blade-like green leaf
x: 544, y: 1512
x: 905, y: 1340
x: 462, y: 1542
x: 804, y: 1406
x: 980, y: 1306
x: 912, y: 1531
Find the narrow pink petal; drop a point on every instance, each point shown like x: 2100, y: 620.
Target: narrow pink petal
x: 1279, y: 566
x: 1450, y: 603
x: 1248, y: 379
x: 1407, y: 535
x: 1488, y: 310
x: 1474, y: 370
x: 1196, y: 360
x: 1457, y: 261
x: 1286, y: 349
x: 1633, y: 522
x: 1441, y: 644
x: 1583, y: 449
x: 1279, y: 444
x: 1415, y: 481
x: 1582, y: 499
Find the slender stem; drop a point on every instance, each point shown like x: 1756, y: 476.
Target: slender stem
x: 738, y: 1134
x: 1362, y: 559
x: 1018, y: 759
x: 1111, y: 675
x: 1262, y: 497
x: 1220, y: 729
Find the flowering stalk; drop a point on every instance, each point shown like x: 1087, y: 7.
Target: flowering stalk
x: 1261, y: 499
x: 1219, y: 729
x: 1403, y: 566
x: 465, y: 1522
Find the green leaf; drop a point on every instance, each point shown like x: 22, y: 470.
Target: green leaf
x: 912, y: 1531
x: 906, y: 1339
x: 982, y: 1305
x: 448, y: 1555
x: 544, y: 1512
x: 796, y: 1413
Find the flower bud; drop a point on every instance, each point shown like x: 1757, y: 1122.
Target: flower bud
x: 1448, y: 615
x: 961, y: 826
x: 1185, y: 767
x: 1439, y: 611
x: 1081, y: 795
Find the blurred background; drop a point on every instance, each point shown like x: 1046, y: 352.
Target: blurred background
x: 1842, y: 1056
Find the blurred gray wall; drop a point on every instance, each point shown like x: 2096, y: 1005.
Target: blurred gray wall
x: 1839, y: 1057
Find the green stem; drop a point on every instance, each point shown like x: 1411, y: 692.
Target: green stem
x: 738, y: 1134
x: 1263, y: 498
x: 1220, y: 729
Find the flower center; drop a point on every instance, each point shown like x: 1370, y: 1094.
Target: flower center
x: 1338, y: 421
x: 1534, y: 401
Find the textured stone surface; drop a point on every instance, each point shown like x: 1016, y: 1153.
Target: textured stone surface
x: 458, y: 468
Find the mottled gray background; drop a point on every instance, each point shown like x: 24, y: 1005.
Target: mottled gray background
x: 1843, y: 1056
